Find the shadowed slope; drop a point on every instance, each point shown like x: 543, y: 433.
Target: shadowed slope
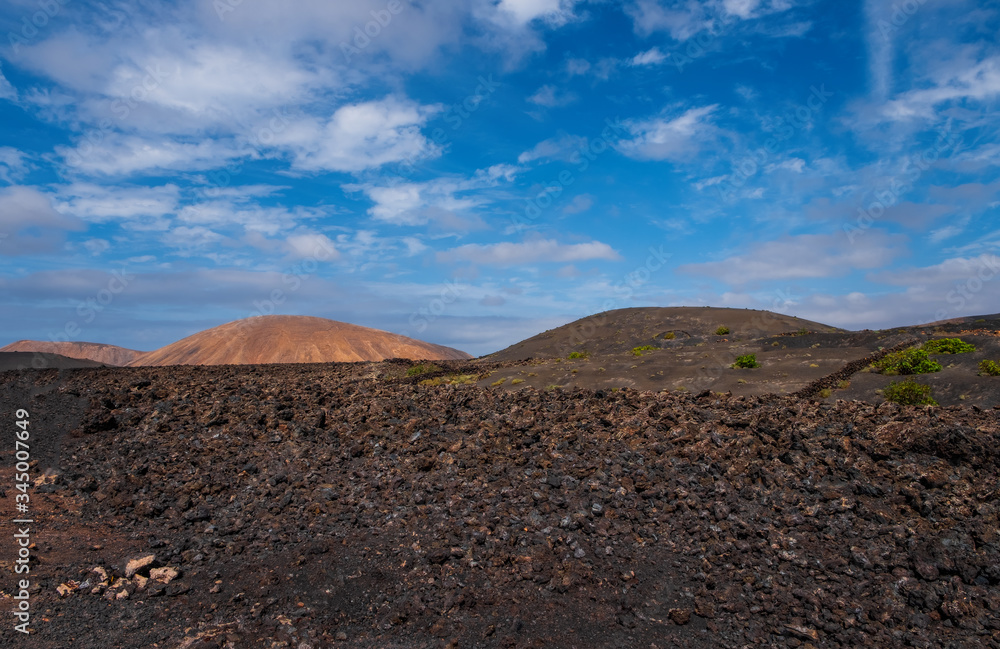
x: 292, y: 339
x: 107, y: 354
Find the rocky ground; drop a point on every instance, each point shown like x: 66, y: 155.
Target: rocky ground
x: 347, y: 505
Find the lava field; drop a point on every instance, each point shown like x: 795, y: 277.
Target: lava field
x: 346, y: 505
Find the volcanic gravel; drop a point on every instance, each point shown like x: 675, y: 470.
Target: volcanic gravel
x: 347, y: 506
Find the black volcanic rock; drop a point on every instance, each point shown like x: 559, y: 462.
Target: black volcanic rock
x: 429, y: 516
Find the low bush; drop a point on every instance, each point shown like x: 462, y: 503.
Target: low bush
x: 423, y: 368
x: 747, y: 361
x: 907, y: 361
x: 637, y: 351
x: 722, y: 331
x: 948, y: 346
x: 909, y: 393
x: 453, y: 379
x: 989, y: 368
x: 575, y: 355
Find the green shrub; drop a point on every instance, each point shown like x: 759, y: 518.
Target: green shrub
x: 453, y: 379
x: 948, y: 346
x: 498, y: 383
x: 746, y: 361
x: 989, y: 368
x: 722, y: 331
x: 909, y: 393
x: 423, y: 368
x: 907, y: 361
x: 825, y: 393
x: 516, y: 381
x: 669, y: 335
x: 637, y: 351
x: 575, y: 355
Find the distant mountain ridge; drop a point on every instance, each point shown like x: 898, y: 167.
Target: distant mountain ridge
x: 99, y: 352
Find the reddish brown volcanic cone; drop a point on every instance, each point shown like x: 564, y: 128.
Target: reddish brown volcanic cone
x: 292, y: 339
x: 107, y: 354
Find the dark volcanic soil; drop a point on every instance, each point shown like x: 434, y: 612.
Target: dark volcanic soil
x: 348, y: 506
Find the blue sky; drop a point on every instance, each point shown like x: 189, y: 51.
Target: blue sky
x: 473, y: 172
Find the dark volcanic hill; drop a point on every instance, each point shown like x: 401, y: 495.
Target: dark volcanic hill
x: 622, y: 329
x: 292, y: 339
x: 106, y: 354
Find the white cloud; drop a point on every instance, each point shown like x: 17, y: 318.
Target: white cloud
x: 360, y: 136
x: 443, y: 201
x: 184, y: 238
x: 528, y: 252
x: 311, y: 246
x: 100, y: 204
x: 580, y: 203
x: 29, y: 223
x: 7, y: 91
x: 576, y: 67
x: 960, y: 79
x: 669, y: 138
x: 270, y: 220
x: 96, y: 246
x: 117, y: 154
x: 12, y: 164
x: 551, y: 97
x: 652, y: 56
x: 742, y: 8
x: 562, y: 147
x: 801, y: 257
x: 682, y: 20
x: 555, y: 12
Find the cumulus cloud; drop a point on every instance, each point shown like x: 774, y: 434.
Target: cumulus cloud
x: 529, y: 252
x: 360, y: 136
